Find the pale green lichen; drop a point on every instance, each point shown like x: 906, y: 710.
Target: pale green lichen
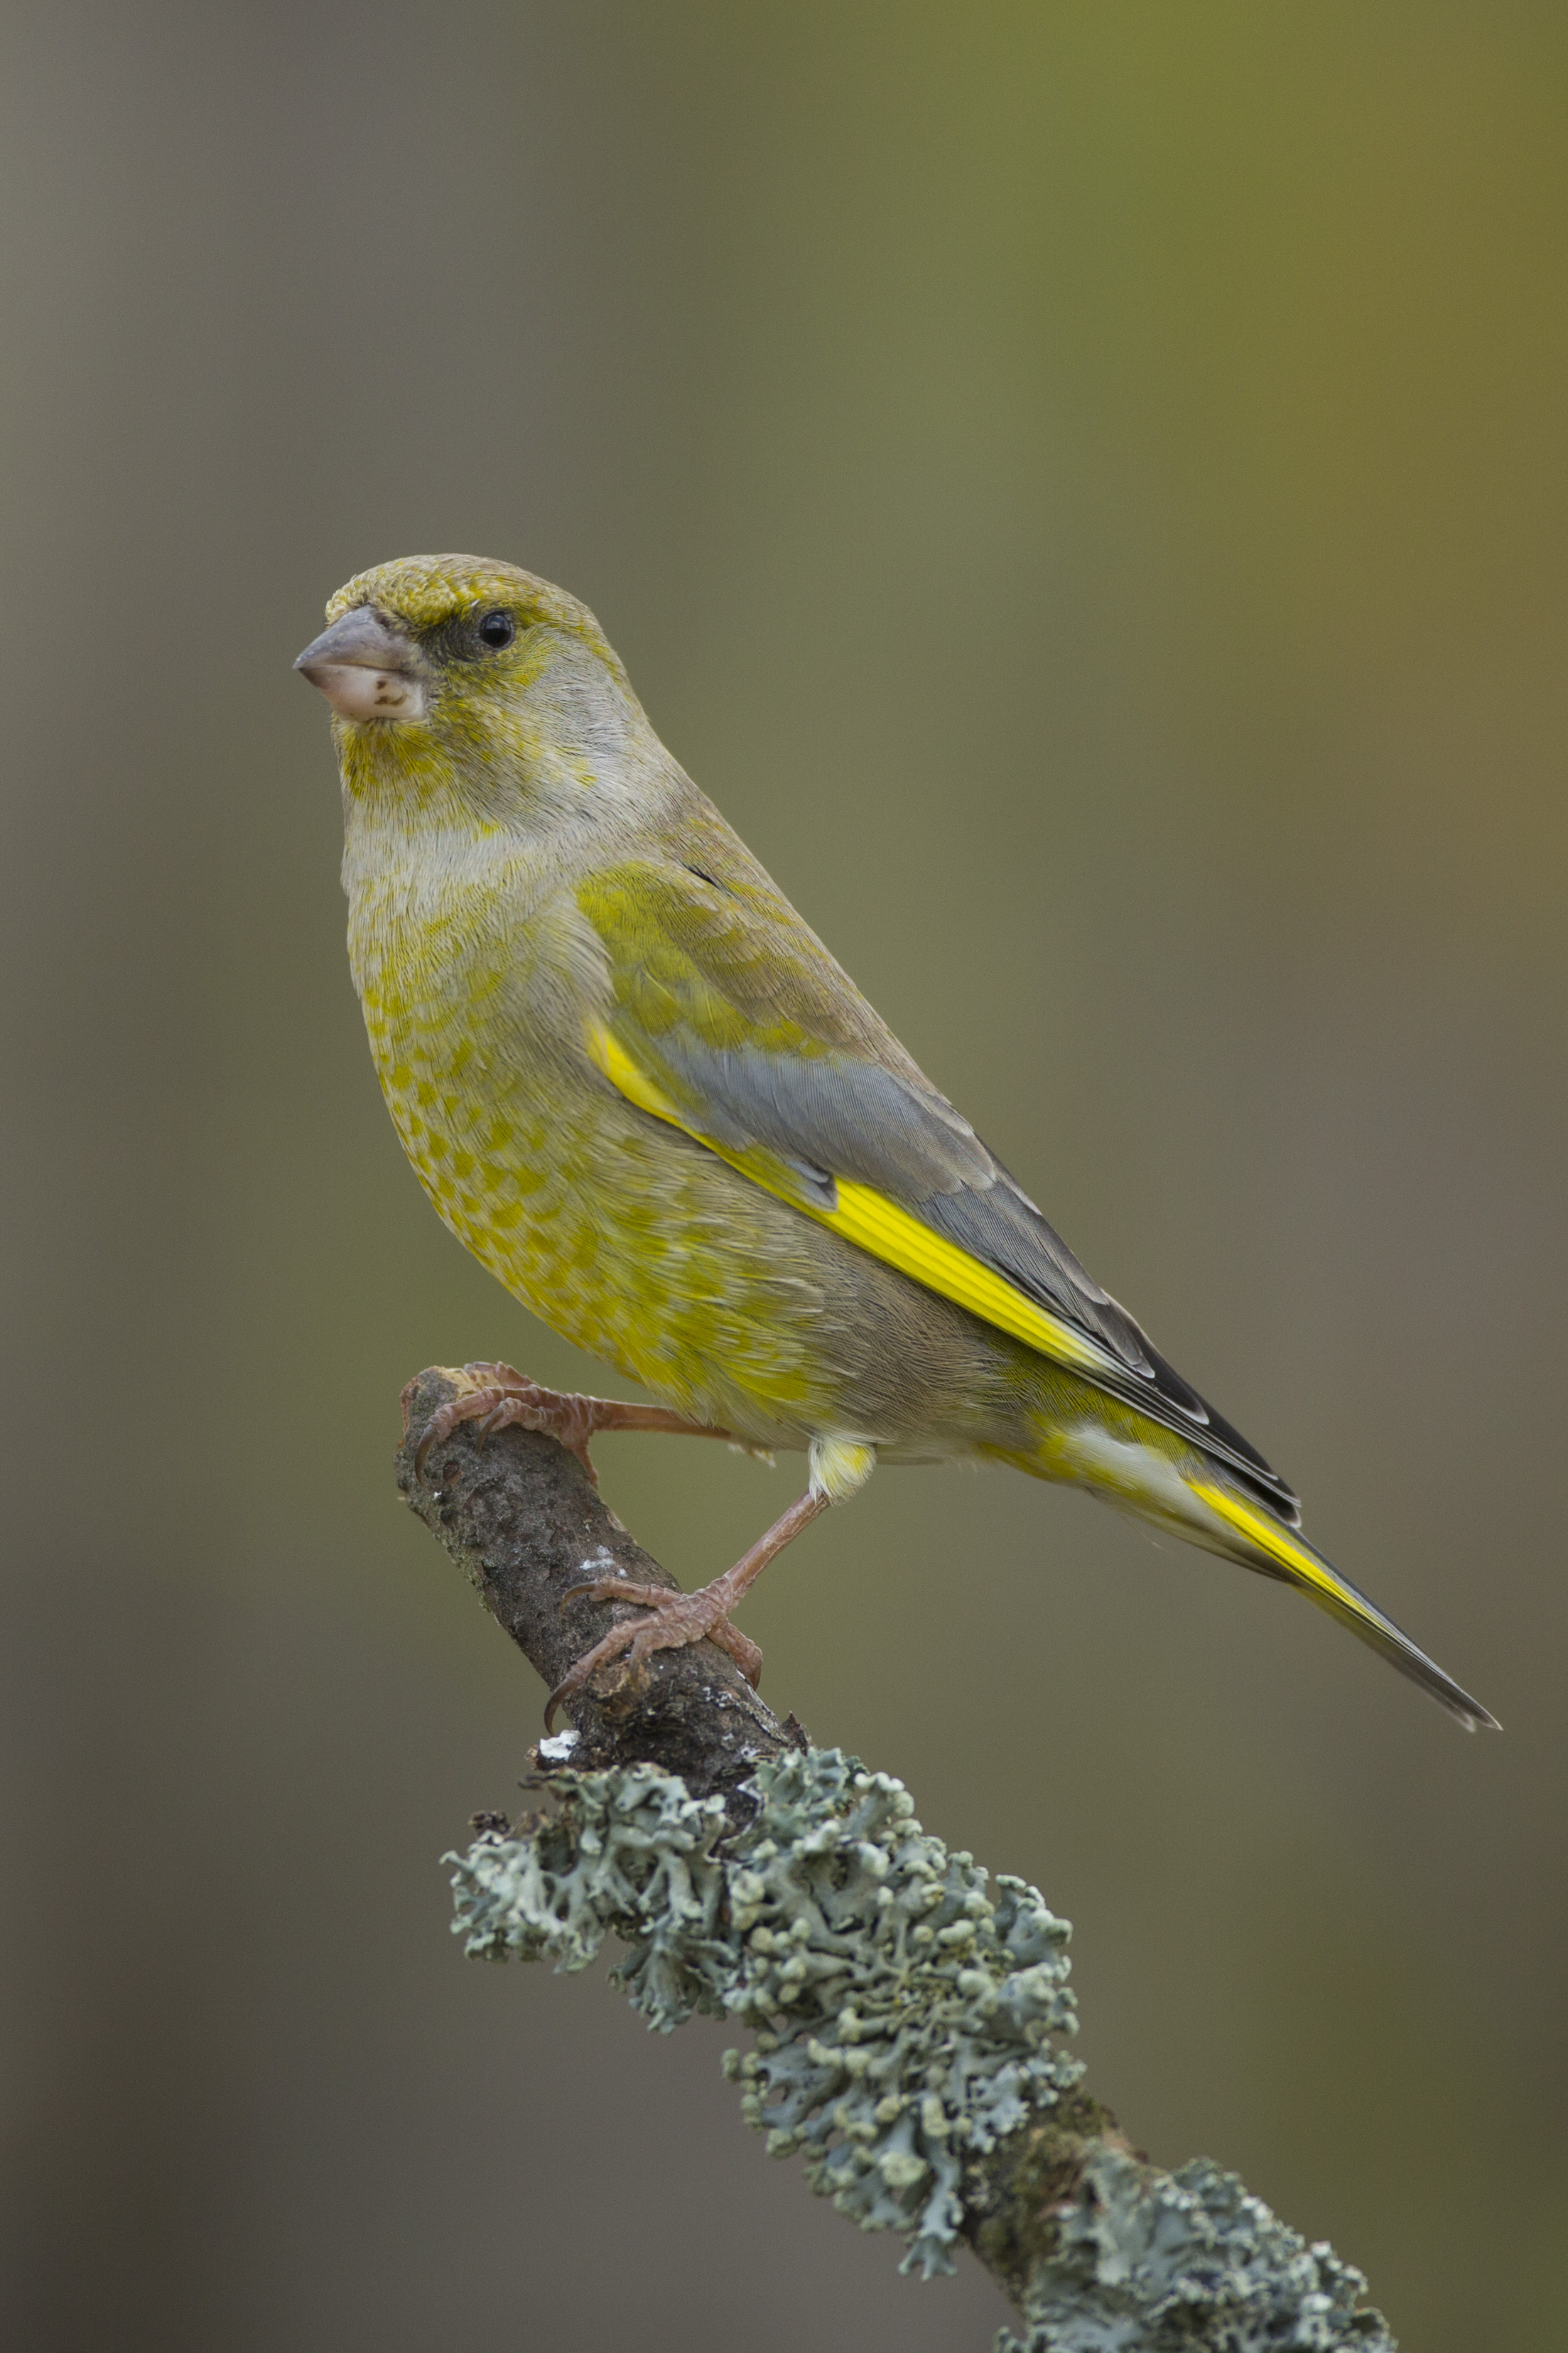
x: 905, y: 2016
x: 907, y: 2013
x: 1188, y: 2263
x: 629, y: 1854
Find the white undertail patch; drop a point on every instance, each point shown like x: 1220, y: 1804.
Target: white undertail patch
x: 840, y: 1467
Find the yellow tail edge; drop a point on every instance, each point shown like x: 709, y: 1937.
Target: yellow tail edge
x: 1288, y: 1555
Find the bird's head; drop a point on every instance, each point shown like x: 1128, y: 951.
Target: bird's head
x: 440, y: 664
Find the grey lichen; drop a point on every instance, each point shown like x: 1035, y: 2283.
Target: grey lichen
x: 629, y: 1854
x: 908, y: 2012
x: 1187, y: 2263
x: 906, y: 2017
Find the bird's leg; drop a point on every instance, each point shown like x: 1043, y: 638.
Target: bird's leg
x: 676, y: 1619
x: 500, y: 1398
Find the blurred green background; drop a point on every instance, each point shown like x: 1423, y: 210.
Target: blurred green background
x: 1084, y: 489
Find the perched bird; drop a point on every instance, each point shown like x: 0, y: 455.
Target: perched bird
x: 638, y: 1086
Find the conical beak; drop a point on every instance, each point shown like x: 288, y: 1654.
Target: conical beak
x: 367, y: 667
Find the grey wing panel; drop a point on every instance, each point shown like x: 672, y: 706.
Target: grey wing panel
x: 831, y: 1115
x: 1002, y: 1227
x: 845, y: 1102
x: 842, y: 1117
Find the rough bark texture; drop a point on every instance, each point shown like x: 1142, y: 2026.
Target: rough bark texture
x: 524, y: 1523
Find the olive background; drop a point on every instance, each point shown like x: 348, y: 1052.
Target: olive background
x: 1084, y: 489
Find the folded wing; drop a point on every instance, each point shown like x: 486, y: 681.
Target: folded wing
x: 728, y: 1018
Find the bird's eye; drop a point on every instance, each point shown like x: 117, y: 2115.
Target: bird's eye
x: 497, y: 630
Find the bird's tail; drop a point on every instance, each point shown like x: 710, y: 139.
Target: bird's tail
x: 1248, y: 1531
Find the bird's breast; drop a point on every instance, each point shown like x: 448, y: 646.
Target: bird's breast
x: 617, y: 1231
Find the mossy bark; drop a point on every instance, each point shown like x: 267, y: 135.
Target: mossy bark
x: 1013, y: 2200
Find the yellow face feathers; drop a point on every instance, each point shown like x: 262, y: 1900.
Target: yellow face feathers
x: 434, y: 595
x: 460, y: 680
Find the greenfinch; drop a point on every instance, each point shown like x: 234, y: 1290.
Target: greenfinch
x: 640, y: 1090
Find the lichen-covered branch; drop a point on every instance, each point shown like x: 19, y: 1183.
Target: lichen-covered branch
x: 909, y: 2015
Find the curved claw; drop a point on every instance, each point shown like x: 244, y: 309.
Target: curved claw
x: 580, y: 1673
x: 741, y: 1648
x: 432, y: 1438
x: 497, y: 1418
x: 615, y: 1588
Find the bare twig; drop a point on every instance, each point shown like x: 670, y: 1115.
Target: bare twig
x: 523, y: 1522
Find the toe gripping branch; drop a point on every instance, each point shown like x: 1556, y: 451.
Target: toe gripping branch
x: 519, y: 1512
x: 494, y: 1397
x: 498, y: 1396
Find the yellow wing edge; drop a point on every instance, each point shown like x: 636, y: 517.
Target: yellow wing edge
x: 876, y: 1224
x: 1280, y: 1546
x: 1313, y: 1576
